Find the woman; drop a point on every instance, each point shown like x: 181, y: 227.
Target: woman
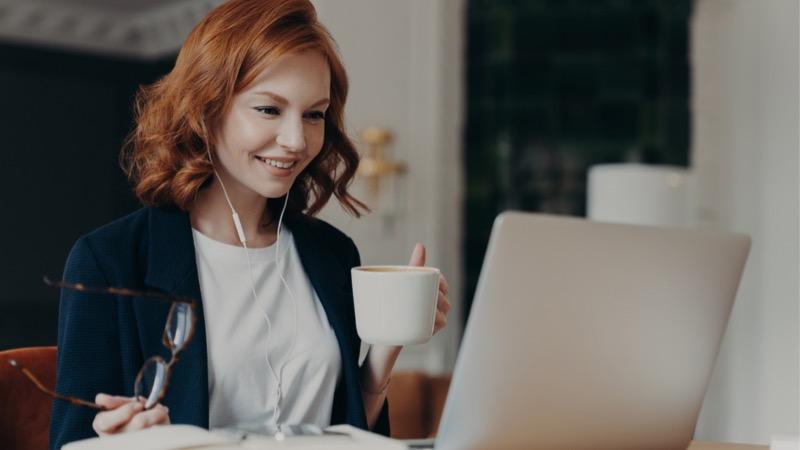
x: 234, y: 151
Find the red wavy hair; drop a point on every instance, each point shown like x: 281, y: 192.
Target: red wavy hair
x: 165, y: 156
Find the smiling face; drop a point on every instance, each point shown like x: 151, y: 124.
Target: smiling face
x: 275, y: 127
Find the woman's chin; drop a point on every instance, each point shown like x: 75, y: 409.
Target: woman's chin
x: 274, y: 189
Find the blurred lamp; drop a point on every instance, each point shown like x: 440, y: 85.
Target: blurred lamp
x: 638, y: 194
x: 375, y: 167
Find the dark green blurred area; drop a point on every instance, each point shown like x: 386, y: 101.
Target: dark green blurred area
x: 556, y: 86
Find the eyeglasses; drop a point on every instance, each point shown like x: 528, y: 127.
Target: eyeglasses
x: 153, y: 378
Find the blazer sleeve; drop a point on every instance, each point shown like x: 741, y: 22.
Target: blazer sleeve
x: 382, y: 423
x: 88, y: 348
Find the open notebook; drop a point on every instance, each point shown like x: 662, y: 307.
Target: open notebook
x: 175, y: 437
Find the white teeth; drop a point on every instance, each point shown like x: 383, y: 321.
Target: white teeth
x: 278, y: 164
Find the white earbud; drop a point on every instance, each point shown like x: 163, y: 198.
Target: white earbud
x: 236, y: 221
x: 239, y: 229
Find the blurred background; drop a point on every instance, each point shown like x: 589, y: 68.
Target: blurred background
x: 673, y: 112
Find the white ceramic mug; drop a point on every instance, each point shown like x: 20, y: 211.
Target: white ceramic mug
x: 395, y: 305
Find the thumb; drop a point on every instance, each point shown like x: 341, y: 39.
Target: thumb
x: 417, y: 256
x: 111, y: 401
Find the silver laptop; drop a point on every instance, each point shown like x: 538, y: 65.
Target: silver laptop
x: 587, y: 335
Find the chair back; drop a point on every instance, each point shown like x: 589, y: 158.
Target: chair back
x: 25, y: 412
x: 416, y: 401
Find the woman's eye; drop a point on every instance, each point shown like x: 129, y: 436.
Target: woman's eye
x: 270, y: 110
x: 316, y: 115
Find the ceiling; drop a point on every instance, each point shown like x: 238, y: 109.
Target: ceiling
x: 119, y: 5
x: 140, y: 29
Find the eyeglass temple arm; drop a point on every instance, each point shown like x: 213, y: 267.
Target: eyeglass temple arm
x: 40, y: 386
x: 80, y: 287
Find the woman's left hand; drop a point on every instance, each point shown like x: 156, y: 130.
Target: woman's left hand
x: 443, y: 304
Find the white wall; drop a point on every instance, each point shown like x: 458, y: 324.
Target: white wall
x: 745, y: 155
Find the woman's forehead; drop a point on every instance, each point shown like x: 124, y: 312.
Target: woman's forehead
x: 295, y: 77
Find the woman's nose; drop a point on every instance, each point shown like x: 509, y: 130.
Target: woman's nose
x: 291, y: 135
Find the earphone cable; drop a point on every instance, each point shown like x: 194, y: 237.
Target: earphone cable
x: 277, y: 376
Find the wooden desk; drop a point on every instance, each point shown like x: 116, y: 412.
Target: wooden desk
x: 700, y: 445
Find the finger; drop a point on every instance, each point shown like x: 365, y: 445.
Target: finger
x: 109, y: 421
x: 417, y: 256
x: 443, y: 286
x: 166, y: 420
x: 146, y: 419
x: 111, y: 401
x: 441, y: 322
x: 443, y: 304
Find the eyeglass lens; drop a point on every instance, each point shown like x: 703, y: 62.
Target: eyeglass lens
x: 151, y: 381
x: 179, y: 325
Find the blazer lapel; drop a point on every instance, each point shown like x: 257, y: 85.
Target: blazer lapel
x: 172, y: 268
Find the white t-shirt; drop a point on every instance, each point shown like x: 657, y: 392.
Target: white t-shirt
x: 242, y: 389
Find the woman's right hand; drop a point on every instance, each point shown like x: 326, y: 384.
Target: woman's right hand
x: 126, y: 414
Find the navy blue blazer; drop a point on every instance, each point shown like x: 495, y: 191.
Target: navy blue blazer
x: 103, y: 339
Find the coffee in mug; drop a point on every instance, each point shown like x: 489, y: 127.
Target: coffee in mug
x: 395, y: 305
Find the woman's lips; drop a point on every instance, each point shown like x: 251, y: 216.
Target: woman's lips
x: 276, y: 167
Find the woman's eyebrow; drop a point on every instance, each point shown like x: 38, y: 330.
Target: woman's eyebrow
x: 283, y: 101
